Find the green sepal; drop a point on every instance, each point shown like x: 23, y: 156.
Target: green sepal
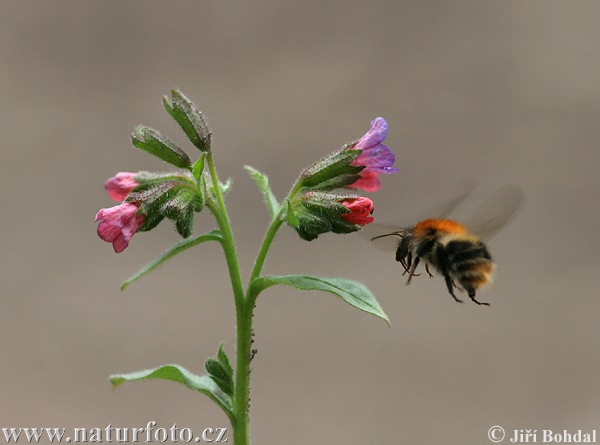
x: 319, y: 212
x: 204, y: 384
x: 214, y: 235
x: 189, y: 118
x: 151, y: 141
x: 333, y: 171
x: 176, y: 197
x: 181, y: 210
x: 352, y: 292
x: 262, y: 181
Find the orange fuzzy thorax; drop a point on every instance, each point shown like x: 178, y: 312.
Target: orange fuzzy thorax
x: 425, y: 227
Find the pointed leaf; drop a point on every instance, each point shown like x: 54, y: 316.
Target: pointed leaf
x: 352, y: 292
x: 176, y: 373
x: 262, y: 181
x: 290, y: 217
x: 189, y: 118
x: 151, y: 141
x: 222, y: 357
x: 198, y: 167
x: 219, y: 374
x: 213, y: 235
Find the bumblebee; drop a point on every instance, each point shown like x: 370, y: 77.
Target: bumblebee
x: 454, y: 251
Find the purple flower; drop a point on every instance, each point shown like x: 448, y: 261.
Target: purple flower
x: 375, y: 157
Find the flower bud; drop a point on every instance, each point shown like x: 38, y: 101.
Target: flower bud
x: 119, y: 186
x: 118, y: 224
x: 315, y: 213
x: 360, y: 210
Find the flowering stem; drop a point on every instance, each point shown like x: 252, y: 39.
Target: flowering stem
x: 276, y: 223
x: 220, y: 213
x: 240, y: 423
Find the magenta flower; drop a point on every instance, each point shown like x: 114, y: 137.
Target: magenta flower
x: 375, y: 157
x: 119, y: 223
x: 360, y: 210
x: 119, y: 186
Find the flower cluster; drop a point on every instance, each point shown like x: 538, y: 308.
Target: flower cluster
x: 148, y: 198
x: 314, y: 206
x: 313, y: 210
x: 119, y: 223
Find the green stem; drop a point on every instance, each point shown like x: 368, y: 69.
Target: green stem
x: 244, y: 307
x: 222, y: 218
x: 244, y: 342
x: 266, y: 245
x: 240, y: 424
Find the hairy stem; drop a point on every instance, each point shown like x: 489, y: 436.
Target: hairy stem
x: 240, y: 424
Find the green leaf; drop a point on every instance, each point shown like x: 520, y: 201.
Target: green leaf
x: 290, y: 217
x: 222, y: 357
x: 205, y: 384
x: 352, y: 292
x: 262, y: 181
x: 219, y: 374
x: 198, y: 167
x: 151, y: 141
x: 189, y: 118
x: 214, y: 235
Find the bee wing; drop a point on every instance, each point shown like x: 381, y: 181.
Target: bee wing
x: 498, y: 210
x: 378, y: 233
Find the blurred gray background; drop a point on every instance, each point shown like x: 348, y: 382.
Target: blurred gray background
x: 503, y: 92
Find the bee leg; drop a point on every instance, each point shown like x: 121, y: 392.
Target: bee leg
x: 472, y: 297
x: 450, y: 286
x: 411, y: 273
x: 407, y: 264
x: 427, y: 269
x: 442, y: 265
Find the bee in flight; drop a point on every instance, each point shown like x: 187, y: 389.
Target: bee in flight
x: 451, y: 249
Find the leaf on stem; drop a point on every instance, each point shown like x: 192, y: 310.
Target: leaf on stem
x: 219, y: 374
x: 222, y: 357
x: 205, y: 384
x: 290, y: 216
x: 262, y: 181
x: 198, y: 167
x: 352, y: 292
x: 221, y: 371
x: 214, y: 235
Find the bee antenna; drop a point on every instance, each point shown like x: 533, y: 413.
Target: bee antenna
x: 399, y: 234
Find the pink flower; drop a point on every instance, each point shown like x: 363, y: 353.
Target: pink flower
x: 360, y: 210
x: 375, y: 157
x: 119, y: 186
x: 119, y: 223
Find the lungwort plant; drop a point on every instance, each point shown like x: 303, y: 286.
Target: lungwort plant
x: 316, y: 204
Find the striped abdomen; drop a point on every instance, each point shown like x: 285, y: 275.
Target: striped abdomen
x: 470, y: 263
